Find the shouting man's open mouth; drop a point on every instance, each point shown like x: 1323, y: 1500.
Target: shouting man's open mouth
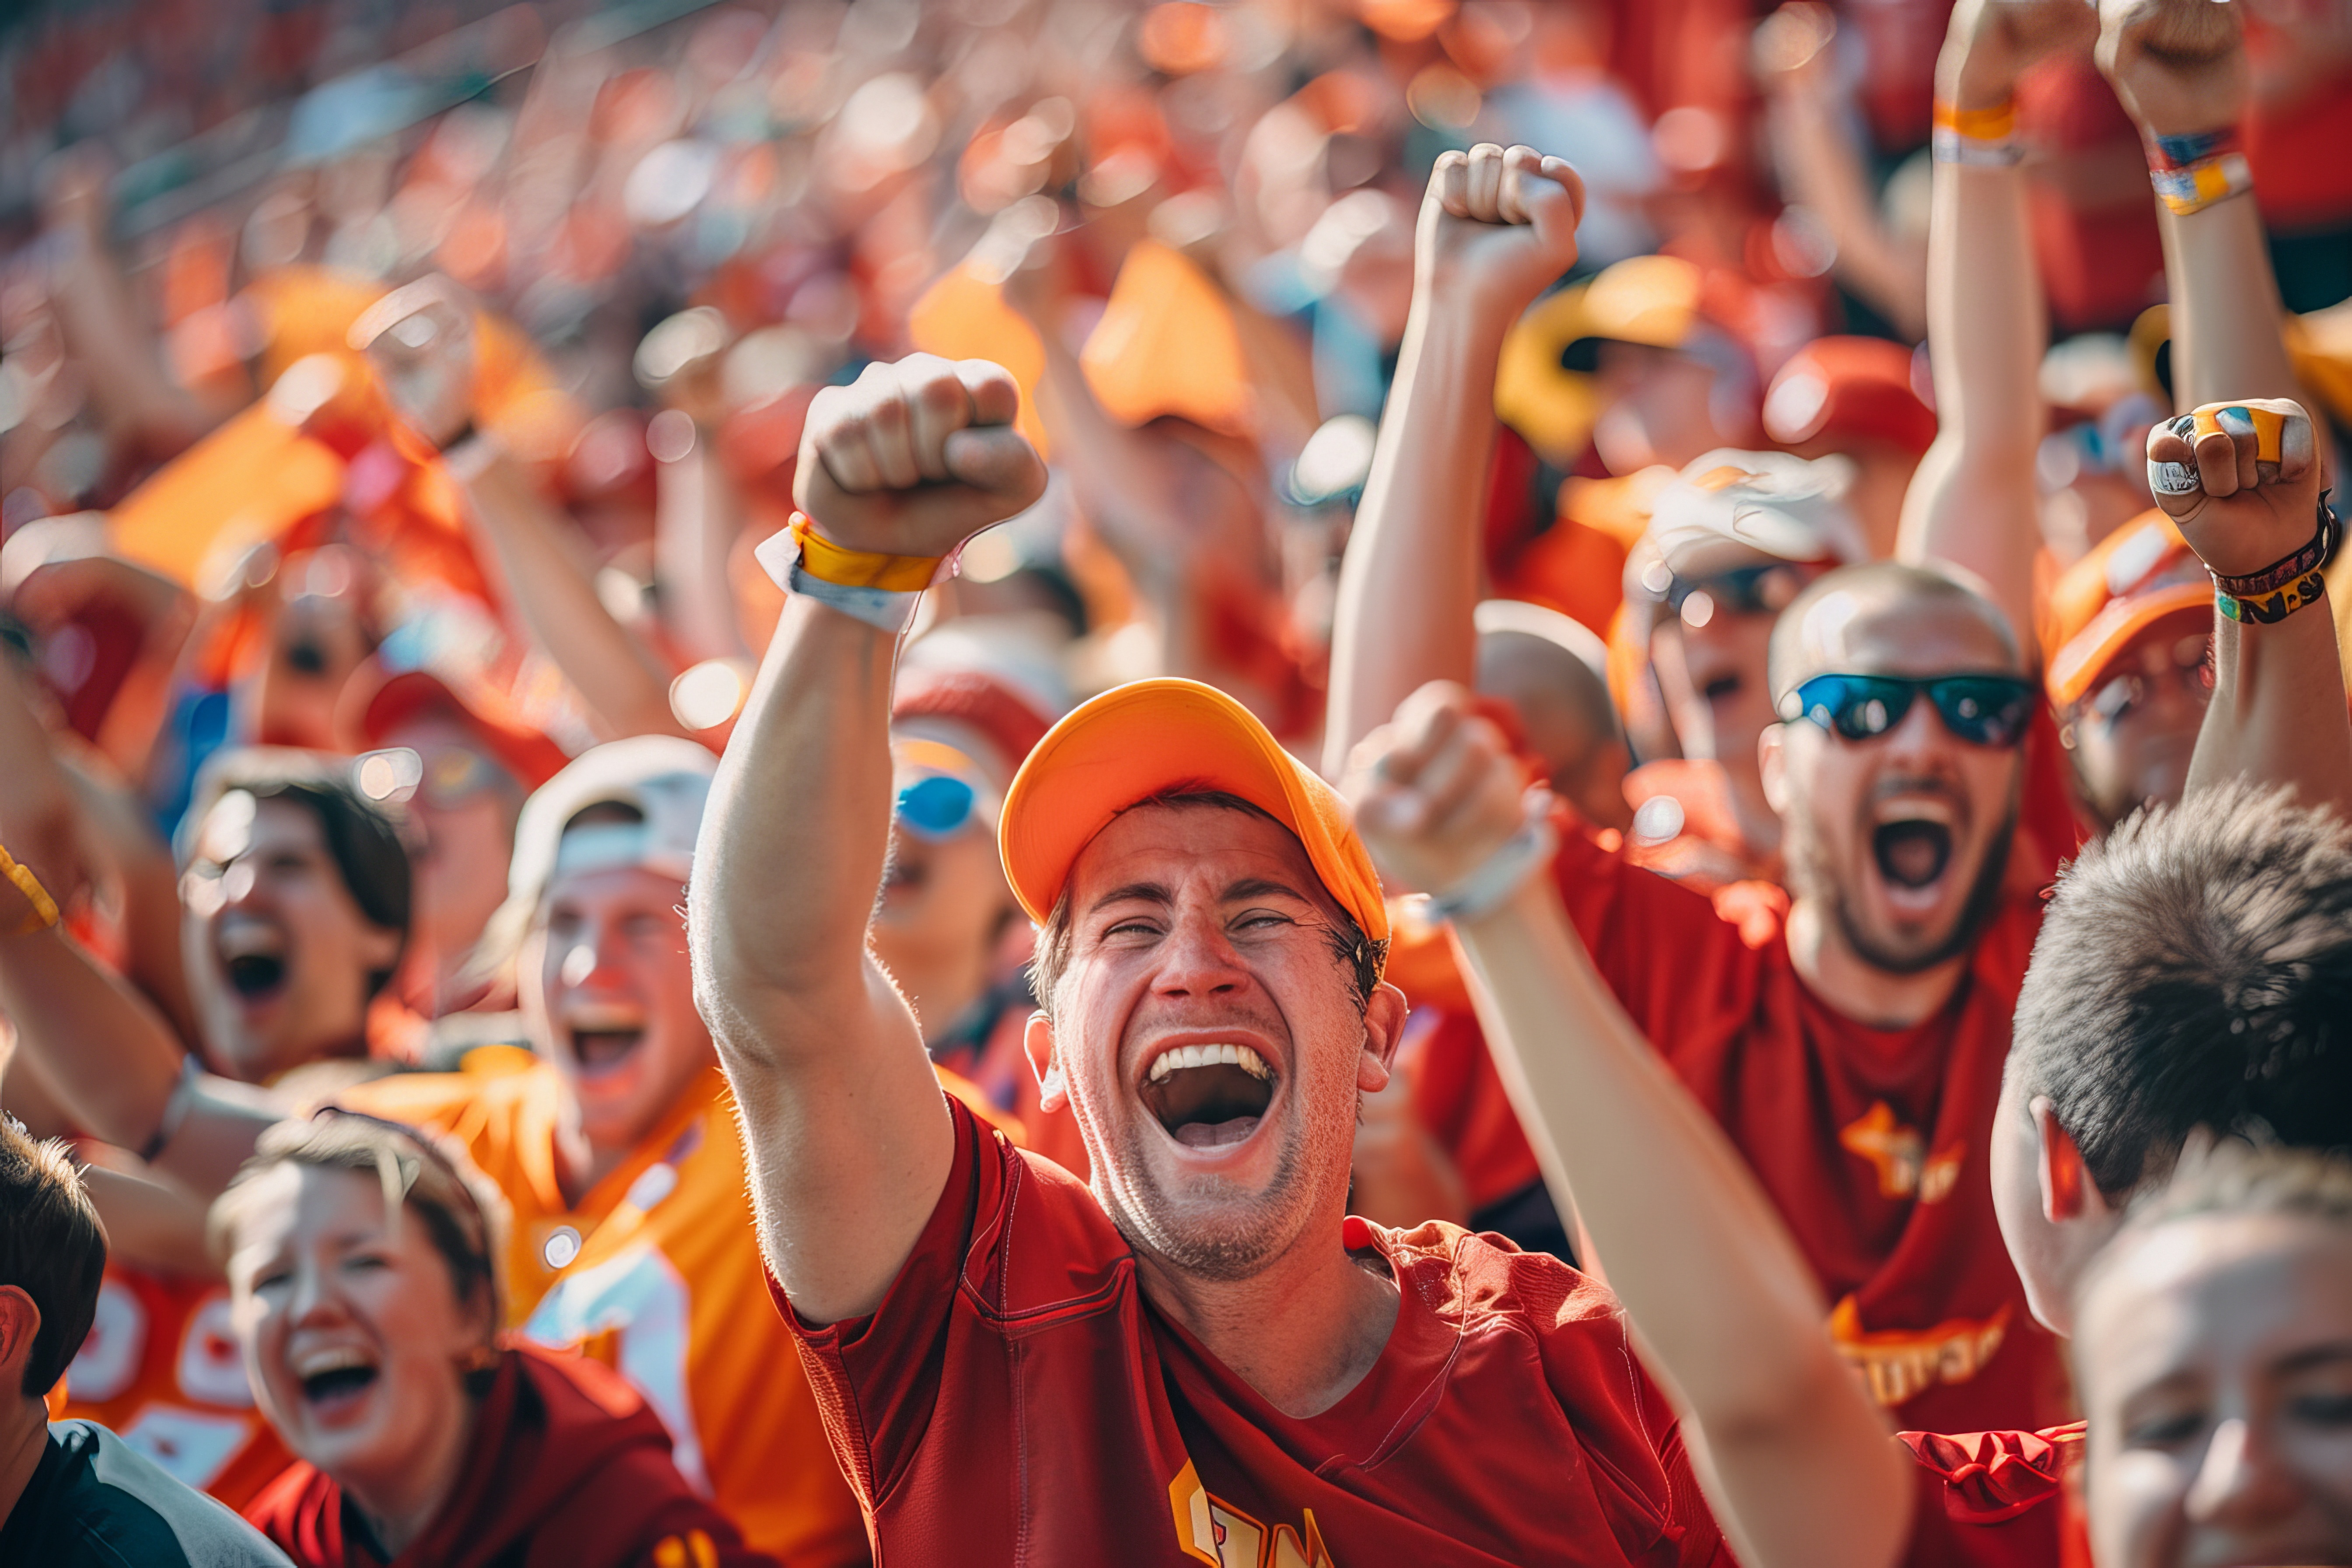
x: 1209, y: 1095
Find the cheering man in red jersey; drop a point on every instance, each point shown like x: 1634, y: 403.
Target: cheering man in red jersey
x: 1200, y: 1358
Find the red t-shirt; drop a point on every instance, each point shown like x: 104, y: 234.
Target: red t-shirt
x: 1016, y: 1398
x: 1999, y: 1499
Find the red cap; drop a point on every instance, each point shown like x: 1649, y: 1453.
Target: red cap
x: 374, y: 704
x: 989, y: 707
x: 1838, y: 389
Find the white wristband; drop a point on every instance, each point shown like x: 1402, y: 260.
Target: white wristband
x: 1517, y: 858
x: 779, y: 556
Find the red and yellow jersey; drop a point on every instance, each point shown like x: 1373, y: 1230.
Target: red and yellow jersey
x: 656, y: 1271
x: 162, y: 1371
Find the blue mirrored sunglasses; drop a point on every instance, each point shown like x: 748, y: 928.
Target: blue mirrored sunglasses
x: 1983, y: 709
x: 935, y: 808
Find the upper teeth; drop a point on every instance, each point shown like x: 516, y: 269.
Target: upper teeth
x: 249, y: 939
x: 1230, y: 1055
x: 322, y: 1362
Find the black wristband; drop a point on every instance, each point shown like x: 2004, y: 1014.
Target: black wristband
x: 2324, y: 538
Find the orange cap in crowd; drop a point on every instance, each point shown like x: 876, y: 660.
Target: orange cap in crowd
x: 1136, y: 741
x: 2137, y: 575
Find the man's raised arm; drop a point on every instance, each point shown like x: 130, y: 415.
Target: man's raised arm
x: 848, y: 1137
x: 1796, y: 1459
x: 1973, y: 503
x: 2278, y: 714
x: 1495, y: 228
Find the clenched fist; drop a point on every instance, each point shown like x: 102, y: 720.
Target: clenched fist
x: 916, y: 457
x: 2240, y: 479
x: 1497, y: 225
x: 1436, y: 790
x: 2179, y: 66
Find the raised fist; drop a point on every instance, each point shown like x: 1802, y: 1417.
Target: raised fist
x: 1990, y: 43
x: 2178, y: 65
x: 2241, y: 481
x: 1436, y: 790
x: 420, y: 338
x: 914, y: 457
x: 1496, y: 227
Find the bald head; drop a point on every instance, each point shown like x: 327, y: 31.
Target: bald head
x: 1885, y: 617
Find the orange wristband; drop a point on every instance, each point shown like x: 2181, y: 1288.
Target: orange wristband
x: 826, y: 561
x: 44, y: 908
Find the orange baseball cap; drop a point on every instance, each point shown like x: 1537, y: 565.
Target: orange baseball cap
x: 1134, y: 742
x: 2137, y: 577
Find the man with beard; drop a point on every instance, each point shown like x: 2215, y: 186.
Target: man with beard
x: 1198, y: 1356
x: 1850, y: 1049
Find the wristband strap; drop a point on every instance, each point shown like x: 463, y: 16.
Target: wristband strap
x: 781, y: 556
x: 2197, y: 168
x: 44, y: 908
x: 2268, y: 609
x: 2311, y: 558
x: 1500, y: 875
x: 1980, y: 138
x: 175, y: 1111
x: 823, y: 560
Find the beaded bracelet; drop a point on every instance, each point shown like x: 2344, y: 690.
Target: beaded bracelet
x: 1976, y: 138
x: 2193, y: 170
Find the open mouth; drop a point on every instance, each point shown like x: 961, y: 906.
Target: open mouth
x: 1912, y: 852
x: 253, y: 955
x: 333, y: 1381
x: 602, y: 1049
x: 1721, y: 688
x: 1211, y: 1096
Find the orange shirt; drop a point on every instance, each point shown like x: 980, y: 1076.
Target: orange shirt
x: 660, y: 1276
x: 161, y: 1370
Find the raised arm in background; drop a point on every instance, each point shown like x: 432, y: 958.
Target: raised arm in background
x: 110, y: 1058
x: 2179, y: 67
x: 420, y: 340
x: 1822, y: 165
x: 1496, y: 227
x: 848, y: 1139
x: 1974, y: 502
x: 1797, y: 1459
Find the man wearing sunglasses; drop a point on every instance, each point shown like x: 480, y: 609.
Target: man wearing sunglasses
x: 1850, y: 1041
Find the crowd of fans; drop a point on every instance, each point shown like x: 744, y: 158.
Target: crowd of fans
x: 1286, y: 782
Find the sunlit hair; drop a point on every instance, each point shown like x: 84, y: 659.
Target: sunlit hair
x: 1364, y: 959
x: 52, y: 1248
x: 421, y: 1173
x: 2230, y: 1178
x: 2195, y: 970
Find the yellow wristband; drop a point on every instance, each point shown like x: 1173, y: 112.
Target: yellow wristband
x: 1994, y: 124
x: 44, y: 908
x: 826, y: 561
x: 2265, y: 425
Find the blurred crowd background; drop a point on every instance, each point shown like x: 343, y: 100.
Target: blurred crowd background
x: 681, y: 219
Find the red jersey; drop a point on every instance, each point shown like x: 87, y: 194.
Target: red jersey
x: 1016, y: 1398
x: 1871, y: 1143
x: 568, y: 1468
x: 1999, y: 1499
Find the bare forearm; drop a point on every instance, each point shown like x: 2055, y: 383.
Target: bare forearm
x: 149, y: 1225
x: 2226, y: 314
x: 552, y: 592
x: 1719, y: 1292
x: 1973, y: 503
x: 1411, y: 577
x: 695, y: 519
x: 2278, y: 714
x: 1823, y: 170
x: 849, y: 1140
x: 109, y: 1057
